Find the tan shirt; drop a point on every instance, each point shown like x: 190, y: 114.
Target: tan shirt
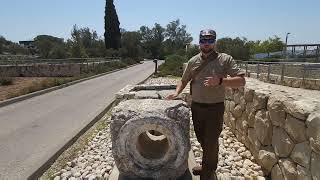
x: 221, y: 66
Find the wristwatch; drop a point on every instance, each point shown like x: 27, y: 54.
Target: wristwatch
x: 221, y: 80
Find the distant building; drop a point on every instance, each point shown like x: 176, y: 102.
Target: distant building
x: 28, y: 44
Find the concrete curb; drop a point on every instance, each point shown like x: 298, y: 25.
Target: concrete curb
x: 38, y: 173
x: 44, y: 91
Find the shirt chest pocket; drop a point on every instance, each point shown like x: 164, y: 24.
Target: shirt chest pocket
x: 217, y: 69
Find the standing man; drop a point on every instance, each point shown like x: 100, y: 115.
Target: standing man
x: 208, y: 72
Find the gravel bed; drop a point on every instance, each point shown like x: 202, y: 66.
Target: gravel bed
x: 96, y: 162
x: 234, y: 158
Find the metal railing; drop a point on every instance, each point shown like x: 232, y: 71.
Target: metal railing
x: 288, y: 69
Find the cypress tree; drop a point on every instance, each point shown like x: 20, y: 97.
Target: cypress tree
x: 112, y: 33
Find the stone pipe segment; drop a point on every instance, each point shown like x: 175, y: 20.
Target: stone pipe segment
x: 150, y: 138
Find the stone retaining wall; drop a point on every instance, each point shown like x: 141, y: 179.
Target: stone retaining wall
x: 288, y: 81
x: 282, y: 129
x: 47, y: 70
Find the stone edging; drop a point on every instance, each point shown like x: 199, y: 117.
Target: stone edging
x: 44, y: 91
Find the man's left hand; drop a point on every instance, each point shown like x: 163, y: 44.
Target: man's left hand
x: 211, y: 81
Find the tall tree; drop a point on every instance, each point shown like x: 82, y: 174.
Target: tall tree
x: 112, y: 33
x: 77, y: 48
x: 152, y: 39
x: 237, y: 47
x: 46, y: 44
x: 131, y: 44
x: 2, y: 42
x: 177, y: 35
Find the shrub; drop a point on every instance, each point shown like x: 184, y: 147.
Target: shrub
x: 5, y: 81
x: 172, y: 66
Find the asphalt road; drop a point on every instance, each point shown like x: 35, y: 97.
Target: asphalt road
x: 32, y: 131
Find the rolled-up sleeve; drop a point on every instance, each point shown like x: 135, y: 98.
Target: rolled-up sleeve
x: 232, y: 68
x: 186, y: 77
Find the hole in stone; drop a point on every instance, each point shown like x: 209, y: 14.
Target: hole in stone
x: 152, y: 144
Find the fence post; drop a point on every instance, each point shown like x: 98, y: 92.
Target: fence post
x: 269, y: 69
x: 87, y: 66
x: 156, y: 66
x: 303, y: 74
x: 258, y: 71
x: 246, y: 69
x: 282, y: 72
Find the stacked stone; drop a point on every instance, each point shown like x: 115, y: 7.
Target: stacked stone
x: 96, y: 162
x: 281, y: 129
x: 162, y: 80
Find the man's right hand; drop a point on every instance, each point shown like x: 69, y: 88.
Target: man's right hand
x: 172, y: 96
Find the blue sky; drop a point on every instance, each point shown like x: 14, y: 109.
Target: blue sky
x: 253, y: 19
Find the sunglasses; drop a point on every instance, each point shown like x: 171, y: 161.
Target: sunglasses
x: 209, y: 41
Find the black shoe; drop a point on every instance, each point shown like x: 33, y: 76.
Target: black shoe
x: 197, y: 170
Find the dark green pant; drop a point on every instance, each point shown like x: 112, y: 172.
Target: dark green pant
x: 208, y: 122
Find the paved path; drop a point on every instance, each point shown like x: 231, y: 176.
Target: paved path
x: 32, y: 131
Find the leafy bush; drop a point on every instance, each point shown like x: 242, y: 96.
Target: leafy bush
x: 172, y: 66
x: 5, y: 81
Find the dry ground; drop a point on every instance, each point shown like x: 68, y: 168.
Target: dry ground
x: 18, y: 86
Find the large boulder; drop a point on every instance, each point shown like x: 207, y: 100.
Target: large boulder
x: 276, y: 173
x: 313, y: 131
x: 301, y: 154
x: 263, y: 127
x: 288, y: 169
x: 150, y: 138
x: 281, y: 142
x: 303, y: 173
x: 267, y: 158
x: 296, y: 129
x: 276, y: 109
x: 315, y: 166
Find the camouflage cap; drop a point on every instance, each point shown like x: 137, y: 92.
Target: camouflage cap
x: 208, y: 33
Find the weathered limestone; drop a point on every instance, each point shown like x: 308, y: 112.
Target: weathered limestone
x: 248, y: 95
x: 299, y: 109
x: 281, y: 142
x: 267, y: 158
x: 296, y: 129
x: 276, y: 173
x: 150, y: 138
x: 259, y: 101
x: 288, y: 169
x: 313, y: 131
x: 301, y: 154
x: 149, y: 92
x: 280, y: 125
x: 315, y: 166
x: 276, y: 109
x: 263, y: 127
x: 303, y: 173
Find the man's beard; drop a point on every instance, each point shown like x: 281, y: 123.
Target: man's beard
x: 206, y: 50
